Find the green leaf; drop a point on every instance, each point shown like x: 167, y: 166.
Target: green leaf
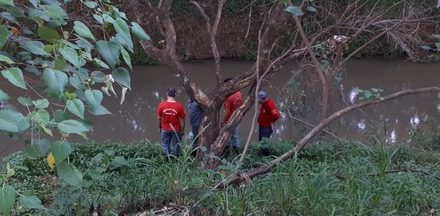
x: 76, y: 107
x: 41, y: 116
x: 25, y: 101
x: 81, y: 29
x: 60, y: 64
x: 6, y: 59
x: 295, y: 11
x: 4, y: 35
x: 7, y: 199
x: 127, y: 58
x: 49, y: 34
x: 98, y: 76
x: 99, y: 110
x: 425, y: 47
x: 41, y: 104
x: 437, y: 46
x: 72, y: 56
x: 3, y: 96
x: 108, y: 19
x: 101, y: 63
x: 91, y: 4
x: 8, y: 16
x: 76, y: 82
x: 93, y: 97
x: 13, y: 121
x: 119, y: 161
x: 311, y: 9
x: 35, y: 47
x: 7, y: 2
x: 31, y: 202
x: 98, y: 19
x: 55, y: 80
x: 110, y: 51
x: 14, y: 76
x: 60, y: 151
x: 9, y: 171
x: 56, y: 14
x: 84, y: 43
x: 70, y: 174
x: 139, y: 32
x: 38, y: 149
x: 122, y: 76
x: 72, y: 126
x: 59, y: 116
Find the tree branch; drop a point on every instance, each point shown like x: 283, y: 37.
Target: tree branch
x: 305, y: 140
x: 212, y: 30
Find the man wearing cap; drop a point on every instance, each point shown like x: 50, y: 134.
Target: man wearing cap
x: 267, y: 116
x: 171, y: 116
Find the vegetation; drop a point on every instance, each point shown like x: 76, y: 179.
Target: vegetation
x: 57, y: 70
x: 326, y: 179
x: 60, y: 68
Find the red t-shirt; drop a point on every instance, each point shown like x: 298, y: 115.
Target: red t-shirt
x: 170, y: 114
x: 232, y: 103
x: 268, y: 113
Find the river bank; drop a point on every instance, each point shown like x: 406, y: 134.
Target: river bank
x: 326, y: 179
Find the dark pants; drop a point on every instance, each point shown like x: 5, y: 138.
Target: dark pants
x: 264, y: 132
x: 195, y: 142
x: 170, y: 141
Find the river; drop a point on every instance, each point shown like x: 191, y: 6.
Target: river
x: 135, y: 119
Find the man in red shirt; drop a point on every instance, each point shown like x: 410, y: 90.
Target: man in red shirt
x: 231, y: 104
x: 171, y: 116
x: 267, y: 116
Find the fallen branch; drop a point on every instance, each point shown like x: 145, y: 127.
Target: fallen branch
x: 318, y: 128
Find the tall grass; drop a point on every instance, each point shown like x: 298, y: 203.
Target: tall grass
x: 325, y: 179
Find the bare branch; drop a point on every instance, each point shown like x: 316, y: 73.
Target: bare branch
x: 212, y: 30
x: 306, y: 139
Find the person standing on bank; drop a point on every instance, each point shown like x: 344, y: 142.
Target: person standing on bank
x: 231, y: 104
x: 267, y: 116
x: 171, y: 116
x: 195, y: 113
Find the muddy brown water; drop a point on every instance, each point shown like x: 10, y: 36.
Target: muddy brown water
x: 135, y: 119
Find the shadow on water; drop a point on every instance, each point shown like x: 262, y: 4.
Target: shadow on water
x: 135, y: 119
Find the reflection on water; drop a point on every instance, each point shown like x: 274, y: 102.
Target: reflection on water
x: 135, y: 119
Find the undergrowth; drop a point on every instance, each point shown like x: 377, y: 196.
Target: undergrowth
x: 325, y: 179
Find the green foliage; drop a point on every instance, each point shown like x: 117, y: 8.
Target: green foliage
x: 110, y: 51
x: 31, y: 202
x: 81, y: 29
x: 369, y: 94
x: 139, y: 32
x: 122, y: 76
x: 7, y: 199
x: 295, y: 11
x: 60, y: 151
x: 70, y: 174
x: 14, y: 76
x: 76, y: 107
x: 39, y: 38
x: 324, y: 179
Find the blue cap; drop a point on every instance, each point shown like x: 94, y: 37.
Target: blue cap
x: 262, y: 95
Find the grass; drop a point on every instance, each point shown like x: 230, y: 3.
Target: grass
x: 325, y: 179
